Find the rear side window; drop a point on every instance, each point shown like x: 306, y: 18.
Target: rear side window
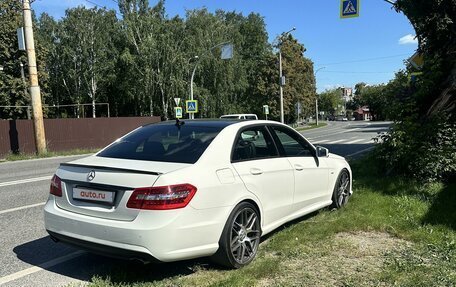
x: 253, y: 143
x: 166, y: 143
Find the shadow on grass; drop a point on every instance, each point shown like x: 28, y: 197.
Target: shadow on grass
x: 441, y: 197
x: 443, y: 208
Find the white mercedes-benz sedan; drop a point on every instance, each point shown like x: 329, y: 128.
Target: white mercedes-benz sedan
x: 179, y: 190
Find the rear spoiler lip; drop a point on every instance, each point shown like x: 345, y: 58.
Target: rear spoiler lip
x: 112, y: 168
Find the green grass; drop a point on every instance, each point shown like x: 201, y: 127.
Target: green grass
x: 393, y: 232
x: 311, y: 126
x: 22, y: 156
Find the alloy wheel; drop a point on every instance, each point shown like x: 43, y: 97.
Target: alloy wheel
x: 245, y: 235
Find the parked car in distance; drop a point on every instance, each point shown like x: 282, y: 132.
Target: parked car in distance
x: 180, y: 190
x: 240, y: 116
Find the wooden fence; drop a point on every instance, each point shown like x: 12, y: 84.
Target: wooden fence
x: 16, y: 136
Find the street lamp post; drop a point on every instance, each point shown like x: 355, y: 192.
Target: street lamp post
x: 281, y: 76
x: 316, y: 98
x: 191, y: 115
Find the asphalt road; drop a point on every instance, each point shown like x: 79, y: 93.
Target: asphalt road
x: 348, y: 139
x: 28, y: 257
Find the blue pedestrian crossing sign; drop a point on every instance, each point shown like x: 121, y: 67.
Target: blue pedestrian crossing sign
x: 191, y: 106
x: 178, y: 112
x: 349, y: 8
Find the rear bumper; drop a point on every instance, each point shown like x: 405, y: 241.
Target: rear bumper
x: 103, y: 249
x: 163, y: 235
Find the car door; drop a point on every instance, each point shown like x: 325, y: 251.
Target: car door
x: 310, y: 172
x: 270, y: 177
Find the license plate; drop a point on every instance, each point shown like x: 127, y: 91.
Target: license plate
x: 93, y: 195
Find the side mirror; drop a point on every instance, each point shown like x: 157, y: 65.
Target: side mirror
x: 322, y: 152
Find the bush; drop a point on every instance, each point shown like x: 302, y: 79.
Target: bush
x: 425, y: 151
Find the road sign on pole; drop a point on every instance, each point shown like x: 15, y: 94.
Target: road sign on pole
x: 20, y: 38
x: 178, y: 112
x: 349, y: 8
x: 177, y: 101
x: 191, y: 106
x: 417, y: 60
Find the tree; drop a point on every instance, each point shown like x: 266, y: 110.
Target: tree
x: 434, y: 23
x: 300, y: 86
x: 89, y: 50
x: 330, y: 101
x: 11, y: 85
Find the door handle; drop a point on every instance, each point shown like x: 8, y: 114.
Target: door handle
x: 298, y: 167
x: 256, y: 171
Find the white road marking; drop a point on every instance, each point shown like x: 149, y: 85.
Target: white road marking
x: 354, y: 141
x: 337, y: 141
x: 321, y: 141
x: 40, y: 267
x: 21, y: 207
x: 28, y: 180
x: 341, y: 132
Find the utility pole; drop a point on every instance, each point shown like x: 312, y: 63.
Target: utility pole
x: 35, y: 94
x: 282, y: 82
x: 282, y: 119
x: 316, y: 98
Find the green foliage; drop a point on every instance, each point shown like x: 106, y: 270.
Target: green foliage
x: 434, y: 23
x: 330, y: 101
x: 11, y: 85
x: 375, y: 97
x: 426, y: 152
x: 300, y: 80
x: 142, y: 60
x: 421, y: 143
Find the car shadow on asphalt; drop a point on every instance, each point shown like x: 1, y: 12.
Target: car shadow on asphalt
x: 88, y: 266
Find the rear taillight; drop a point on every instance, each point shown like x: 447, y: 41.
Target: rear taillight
x: 162, y: 197
x: 56, y: 186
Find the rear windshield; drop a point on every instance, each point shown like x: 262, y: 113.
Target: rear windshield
x: 229, y: 117
x: 166, y: 143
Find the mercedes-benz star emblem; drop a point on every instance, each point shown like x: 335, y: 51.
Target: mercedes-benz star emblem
x: 91, y: 175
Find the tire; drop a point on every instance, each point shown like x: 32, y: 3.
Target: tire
x: 240, y: 238
x: 341, y: 191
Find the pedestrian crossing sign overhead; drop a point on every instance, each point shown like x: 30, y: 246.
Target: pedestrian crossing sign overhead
x: 191, y: 106
x: 349, y: 8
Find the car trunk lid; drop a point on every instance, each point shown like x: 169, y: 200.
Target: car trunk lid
x: 101, y: 187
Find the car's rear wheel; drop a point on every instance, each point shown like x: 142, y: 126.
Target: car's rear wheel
x: 341, y: 191
x: 240, y: 237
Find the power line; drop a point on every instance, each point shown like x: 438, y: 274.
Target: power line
x: 100, y: 6
x: 356, y: 72
x: 365, y: 60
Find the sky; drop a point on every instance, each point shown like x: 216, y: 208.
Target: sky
x: 369, y: 48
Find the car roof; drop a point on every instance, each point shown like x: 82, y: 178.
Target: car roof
x: 217, y: 122
x: 239, y: 115
x: 200, y: 122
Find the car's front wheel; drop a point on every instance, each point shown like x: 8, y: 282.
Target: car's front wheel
x: 240, y: 237
x: 341, y: 191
